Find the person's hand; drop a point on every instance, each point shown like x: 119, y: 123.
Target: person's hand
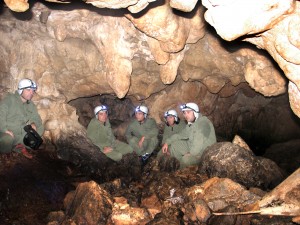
x: 141, y: 142
x: 107, y: 150
x: 10, y: 133
x: 165, y: 149
x: 33, y: 126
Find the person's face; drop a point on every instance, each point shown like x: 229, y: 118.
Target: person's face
x: 171, y: 120
x: 27, y: 94
x: 102, y: 116
x: 139, y: 116
x: 189, y: 115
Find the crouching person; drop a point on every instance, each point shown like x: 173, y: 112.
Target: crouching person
x: 188, y: 145
x: 100, y: 132
x: 21, y: 126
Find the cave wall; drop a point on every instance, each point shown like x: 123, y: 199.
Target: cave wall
x: 160, y: 55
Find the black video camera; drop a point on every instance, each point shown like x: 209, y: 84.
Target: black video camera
x: 32, y: 139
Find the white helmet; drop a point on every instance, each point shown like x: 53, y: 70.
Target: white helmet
x: 26, y: 84
x: 99, y: 109
x: 171, y: 112
x: 191, y: 106
x: 143, y: 109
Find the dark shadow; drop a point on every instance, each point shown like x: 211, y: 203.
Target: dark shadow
x: 146, y: 10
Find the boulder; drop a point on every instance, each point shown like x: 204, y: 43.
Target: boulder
x: 228, y: 160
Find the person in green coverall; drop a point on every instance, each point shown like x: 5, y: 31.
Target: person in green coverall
x: 100, y: 132
x: 142, y: 133
x: 188, y: 145
x: 173, y: 124
x: 17, y: 110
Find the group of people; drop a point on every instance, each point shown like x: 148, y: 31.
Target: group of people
x: 185, y: 141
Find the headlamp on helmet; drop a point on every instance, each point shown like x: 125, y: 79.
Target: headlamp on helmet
x: 143, y: 109
x: 171, y: 112
x: 26, y: 84
x: 191, y: 106
x: 100, y: 108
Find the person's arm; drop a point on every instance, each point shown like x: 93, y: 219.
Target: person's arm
x: 203, y: 137
x: 111, y: 137
x: 3, y: 115
x: 151, y: 129
x: 165, y: 149
x: 35, y: 119
x: 129, y: 133
x: 165, y: 134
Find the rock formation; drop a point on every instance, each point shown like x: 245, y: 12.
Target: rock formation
x: 270, y: 25
x: 161, y: 53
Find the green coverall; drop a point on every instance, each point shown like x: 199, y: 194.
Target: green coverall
x: 188, y: 145
x: 102, y: 136
x: 136, y: 130
x: 170, y: 130
x: 14, y: 115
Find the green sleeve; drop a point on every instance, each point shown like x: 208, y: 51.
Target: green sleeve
x: 151, y: 129
x: 166, y: 134
x: 110, y: 135
x: 36, y: 119
x: 128, y: 133
x: 203, y: 136
x: 3, y: 112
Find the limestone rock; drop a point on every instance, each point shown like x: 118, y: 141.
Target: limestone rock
x: 152, y: 204
x: 225, y: 159
x: 89, y: 203
x: 240, y: 142
x: 272, y: 21
x: 185, y: 6
x: 162, y: 62
x: 284, y: 199
x: 294, y: 96
x: 17, y: 5
x: 233, y: 19
x: 197, y: 211
x: 217, y: 193
x: 124, y: 214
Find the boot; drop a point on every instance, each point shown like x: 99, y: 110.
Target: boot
x: 26, y: 153
x: 21, y: 148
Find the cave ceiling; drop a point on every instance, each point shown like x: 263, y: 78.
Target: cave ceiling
x: 162, y: 53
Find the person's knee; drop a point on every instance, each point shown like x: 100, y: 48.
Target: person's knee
x: 117, y: 156
x: 189, y: 161
x: 129, y: 149
x: 6, y: 143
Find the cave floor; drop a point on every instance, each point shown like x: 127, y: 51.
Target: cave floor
x: 31, y: 188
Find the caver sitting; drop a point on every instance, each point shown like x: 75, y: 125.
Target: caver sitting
x: 100, y: 132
